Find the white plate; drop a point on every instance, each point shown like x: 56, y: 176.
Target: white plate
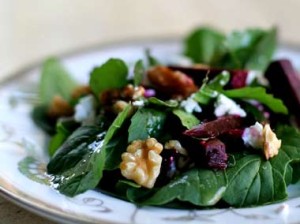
x: 26, y: 183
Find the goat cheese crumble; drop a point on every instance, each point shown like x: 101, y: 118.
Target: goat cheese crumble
x: 226, y: 106
x: 190, y: 105
x: 84, y: 110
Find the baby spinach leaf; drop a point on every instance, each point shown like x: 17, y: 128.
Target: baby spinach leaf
x: 55, y: 80
x: 259, y: 94
x: 255, y: 181
x: 187, y: 120
x: 40, y: 118
x: 200, y: 187
x: 64, y: 129
x: 204, y: 45
x: 110, y: 75
x: 247, y: 49
x: 78, y: 165
x: 262, y: 51
x: 158, y: 102
x: 139, y: 71
x: 114, y: 149
x: 145, y: 123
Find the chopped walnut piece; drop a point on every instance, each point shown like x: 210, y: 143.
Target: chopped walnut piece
x: 173, y: 83
x: 271, y: 142
x: 261, y: 136
x: 59, y: 108
x: 131, y: 92
x: 142, y: 161
x: 80, y: 91
x: 119, y: 106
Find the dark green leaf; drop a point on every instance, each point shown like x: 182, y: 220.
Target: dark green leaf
x: 78, y: 165
x: 41, y: 119
x: 55, y: 80
x: 198, y: 186
x: 255, y: 181
x: 64, y: 129
x: 204, y: 45
x: 110, y: 75
x: 259, y: 94
x: 146, y: 123
x: 187, y: 120
x: 139, y: 71
x: 262, y: 52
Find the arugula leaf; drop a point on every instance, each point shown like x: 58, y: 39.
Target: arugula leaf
x: 200, y: 187
x: 110, y: 75
x: 139, y: 71
x: 187, y: 120
x: 259, y: 94
x: 78, y: 166
x: 55, y: 80
x: 146, y: 123
x: 158, y: 102
x: 204, y: 45
x: 211, y: 89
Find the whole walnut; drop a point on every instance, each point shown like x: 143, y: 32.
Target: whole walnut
x: 173, y: 83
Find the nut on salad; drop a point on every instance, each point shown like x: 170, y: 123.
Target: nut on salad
x: 141, y: 163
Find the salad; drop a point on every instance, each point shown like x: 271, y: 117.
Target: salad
x: 216, y: 128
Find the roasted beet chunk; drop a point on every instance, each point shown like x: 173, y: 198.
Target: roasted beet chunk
x: 214, y: 154
x: 168, y: 166
x: 285, y: 84
x: 216, y: 127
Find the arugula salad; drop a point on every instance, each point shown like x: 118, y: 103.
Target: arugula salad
x: 216, y: 128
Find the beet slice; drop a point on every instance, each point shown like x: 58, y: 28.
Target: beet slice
x: 238, y: 77
x: 215, y: 155
x: 216, y: 127
x: 285, y: 84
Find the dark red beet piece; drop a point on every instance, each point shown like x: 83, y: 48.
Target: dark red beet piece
x: 168, y: 166
x: 238, y: 77
x: 285, y: 84
x: 216, y: 127
x: 215, y: 153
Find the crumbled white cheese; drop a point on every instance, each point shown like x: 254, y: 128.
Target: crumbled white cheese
x: 138, y: 103
x: 226, y: 106
x: 85, y: 110
x: 190, y: 105
x: 258, y: 76
x: 253, y: 136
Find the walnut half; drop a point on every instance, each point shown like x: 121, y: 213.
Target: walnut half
x: 142, y: 161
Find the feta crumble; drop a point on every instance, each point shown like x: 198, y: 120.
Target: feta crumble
x: 138, y: 103
x: 190, y: 105
x: 262, y: 137
x: 84, y: 110
x: 256, y: 75
x: 253, y: 136
x: 226, y: 106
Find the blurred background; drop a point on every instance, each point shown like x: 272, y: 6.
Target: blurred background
x: 34, y: 29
